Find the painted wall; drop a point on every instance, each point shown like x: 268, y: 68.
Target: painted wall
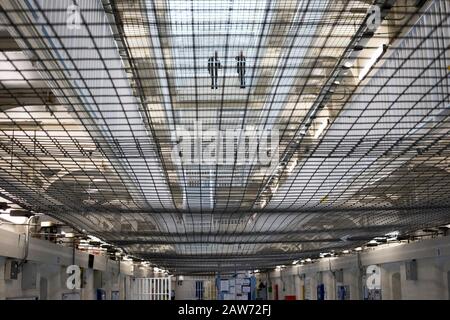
x: 47, y: 263
x: 43, y: 276
x: 433, y: 271
x: 50, y: 282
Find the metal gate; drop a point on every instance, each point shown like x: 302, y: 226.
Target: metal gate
x: 199, y: 290
x: 152, y: 288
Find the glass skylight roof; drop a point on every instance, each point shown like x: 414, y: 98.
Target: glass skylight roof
x: 87, y: 134
x: 199, y: 29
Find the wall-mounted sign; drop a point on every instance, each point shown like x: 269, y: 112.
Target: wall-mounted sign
x: 224, y: 285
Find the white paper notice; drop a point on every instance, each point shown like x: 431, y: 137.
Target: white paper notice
x: 224, y: 285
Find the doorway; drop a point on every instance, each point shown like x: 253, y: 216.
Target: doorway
x: 396, y: 286
x: 276, y: 292
x: 43, y: 288
x: 199, y: 290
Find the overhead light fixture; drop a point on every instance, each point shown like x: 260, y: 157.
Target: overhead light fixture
x: 263, y: 203
x: 347, y: 65
x: 346, y: 251
x: 308, y: 260
x: 274, y: 188
x: 94, y: 238
x: 47, y: 224
x: 13, y: 219
x: 292, y: 165
x: 294, y: 262
x: 321, y: 128
x: 381, y: 239
x: 372, y: 243
x: 358, y: 249
x: 372, y: 61
x: 394, y: 234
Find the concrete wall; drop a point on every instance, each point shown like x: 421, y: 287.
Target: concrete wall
x: 47, y: 262
x: 45, y: 271
x: 433, y: 270
x: 55, y: 277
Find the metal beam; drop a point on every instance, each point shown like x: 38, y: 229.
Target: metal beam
x: 366, y: 229
x: 208, y: 241
x: 17, y: 97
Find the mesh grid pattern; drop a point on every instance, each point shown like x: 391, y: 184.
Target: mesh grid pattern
x: 90, y: 107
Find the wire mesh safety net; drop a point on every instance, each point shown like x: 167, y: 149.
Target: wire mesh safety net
x: 221, y: 135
